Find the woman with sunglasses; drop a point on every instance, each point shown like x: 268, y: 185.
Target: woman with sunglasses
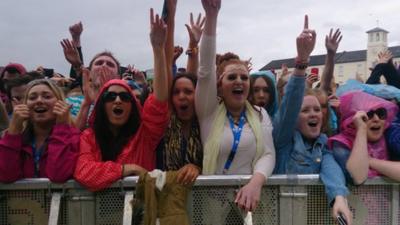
x: 360, y: 147
x: 122, y: 137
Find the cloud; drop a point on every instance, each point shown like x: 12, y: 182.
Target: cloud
x: 263, y: 30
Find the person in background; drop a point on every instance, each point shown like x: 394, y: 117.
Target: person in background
x: 263, y: 91
x: 41, y: 140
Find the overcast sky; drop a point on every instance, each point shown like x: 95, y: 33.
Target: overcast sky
x: 262, y: 29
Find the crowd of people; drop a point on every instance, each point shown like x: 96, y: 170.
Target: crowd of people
x: 105, y: 121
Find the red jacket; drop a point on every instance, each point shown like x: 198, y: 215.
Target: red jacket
x: 95, y: 174
x: 57, y: 162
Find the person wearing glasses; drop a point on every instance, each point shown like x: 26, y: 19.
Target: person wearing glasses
x: 360, y: 147
x: 122, y: 137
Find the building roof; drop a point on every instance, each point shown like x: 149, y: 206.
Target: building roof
x: 319, y: 60
x: 377, y: 29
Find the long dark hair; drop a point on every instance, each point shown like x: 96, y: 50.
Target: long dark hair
x: 111, y: 146
x: 270, y: 85
x: 189, y: 76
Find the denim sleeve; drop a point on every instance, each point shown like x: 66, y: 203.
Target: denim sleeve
x: 341, y: 155
x: 332, y: 177
x: 286, y: 118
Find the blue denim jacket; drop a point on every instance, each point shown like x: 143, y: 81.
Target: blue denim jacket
x: 297, y: 156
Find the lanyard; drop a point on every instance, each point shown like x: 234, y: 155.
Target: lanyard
x: 237, y: 133
x: 37, y: 154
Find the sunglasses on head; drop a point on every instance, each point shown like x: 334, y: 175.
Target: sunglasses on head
x: 110, y: 96
x: 380, y: 112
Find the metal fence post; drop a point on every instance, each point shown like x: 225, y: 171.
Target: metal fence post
x: 293, y: 205
x: 395, y: 204
x: 55, y: 208
x: 81, y: 207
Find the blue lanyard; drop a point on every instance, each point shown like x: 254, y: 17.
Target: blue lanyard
x: 237, y: 133
x: 37, y: 154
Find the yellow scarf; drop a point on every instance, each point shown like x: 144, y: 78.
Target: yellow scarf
x: 212, y: 145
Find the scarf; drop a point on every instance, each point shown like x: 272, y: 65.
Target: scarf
x: 175, y: 157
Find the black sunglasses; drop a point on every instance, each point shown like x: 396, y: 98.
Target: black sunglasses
x: 380, y: 112
x: 110, y: 96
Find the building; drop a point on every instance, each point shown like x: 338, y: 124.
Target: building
x: 348, y: 65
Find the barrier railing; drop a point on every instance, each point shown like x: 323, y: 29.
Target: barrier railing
x: 285, y: 200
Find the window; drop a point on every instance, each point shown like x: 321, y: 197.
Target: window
x: 340, y: 71
x: 377, y: 37
x: 371, y: 37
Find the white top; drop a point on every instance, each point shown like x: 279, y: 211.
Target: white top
x: 206, y: 102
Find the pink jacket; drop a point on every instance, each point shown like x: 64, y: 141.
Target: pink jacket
x: 57, y: 162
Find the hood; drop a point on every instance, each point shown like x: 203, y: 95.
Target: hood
x: 121, y: 83
x: 272, y: 108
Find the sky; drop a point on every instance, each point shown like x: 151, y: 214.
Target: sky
x: 263, y: 30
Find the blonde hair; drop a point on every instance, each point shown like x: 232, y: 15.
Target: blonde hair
x: 58, y: 93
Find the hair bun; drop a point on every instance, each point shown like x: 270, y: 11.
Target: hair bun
x: 226, y: 57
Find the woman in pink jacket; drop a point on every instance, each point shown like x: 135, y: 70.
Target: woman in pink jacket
x: 41, y: 140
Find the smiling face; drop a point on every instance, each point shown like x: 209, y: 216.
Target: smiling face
x: 310, y: 118
x: 118, y: 105
x: 261, y: 95
x: 40, y: 101
x: 375, y: 128
x: 235, y: 85
x: 183, y: 98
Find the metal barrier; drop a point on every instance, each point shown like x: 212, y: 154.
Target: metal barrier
x: 285, y: 200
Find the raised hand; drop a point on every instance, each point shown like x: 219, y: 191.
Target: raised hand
x: 360, y: 119
x: 211, y: 7
x: 158, y: 33
x: 87, y: 89
x: 332, y: 41
x: 20, y: 114
x: 101, y: 75
x: 195, y: 30
x: 61, y: 110
x: 76, y: 31
x: 384, y: 56
x: 285, y: 70
x: 311, y: 79
x: 71, y: 53
x: 178, y: 50
x: 305, y: 42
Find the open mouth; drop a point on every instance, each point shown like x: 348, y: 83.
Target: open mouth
x: 313, y: 123
x: 183, y: 107
x: 237, y: 91
x: 118, y: 111
x: 40, y: 110
x: 375, y: 128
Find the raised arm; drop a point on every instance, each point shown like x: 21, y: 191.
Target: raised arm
x: 158, y: 38
x: 206, y: 89
x: 286, y: 118
x: 386, y: 68
x: 195, y: 31
x: 357, y: 164
x: 169, y: 12
x: 76, y: 31
x: 331, y: 43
